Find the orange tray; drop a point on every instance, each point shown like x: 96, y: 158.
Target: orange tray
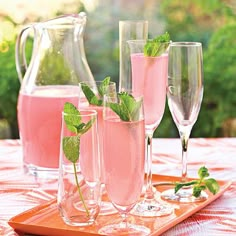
x: 45, y: 219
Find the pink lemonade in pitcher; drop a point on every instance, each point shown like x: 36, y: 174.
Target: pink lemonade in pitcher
x: 124, y: 156
x: 39, y: 118
x: 149, y: 77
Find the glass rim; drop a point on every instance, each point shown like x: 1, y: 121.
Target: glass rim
x: 90, y: 112
x: 185, y: 44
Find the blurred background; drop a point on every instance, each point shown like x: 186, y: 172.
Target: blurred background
x: 212, y: 22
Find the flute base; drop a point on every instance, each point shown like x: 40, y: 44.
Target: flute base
x: 124, y: 229
x: 183, y: 196
x: 152, y: 208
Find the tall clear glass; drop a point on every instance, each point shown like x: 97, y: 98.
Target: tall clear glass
x: 129, y: 30
x: 149, y: 77
x: 185, y: 93
x: 124, y: 157
x: 96, y: 86
x: 79, y: 170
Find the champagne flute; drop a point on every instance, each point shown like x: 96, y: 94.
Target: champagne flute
x: 124, y: 158
x: 184, y: 92
x: 98, y: 88
x: 129, y: 30
x: 149, y: 77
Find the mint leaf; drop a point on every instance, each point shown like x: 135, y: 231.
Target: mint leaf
x: 69, y: 108
x: 71, y: 117
x: 135, y: 114
x: 212, y: 185
x: 203, y: 172
x: 90, y: 95
x: 118, y: 109
x: 155, y: 47
x: 85, y: 127
x: 92, y: 98
x: 127, y: 108
x: 102, y: 89
x: 178, y: 186
x: 71, y: 147
x: 201, y: 184
x: 197, y: 190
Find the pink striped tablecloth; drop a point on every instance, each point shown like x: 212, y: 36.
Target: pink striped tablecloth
x: 20, y: 192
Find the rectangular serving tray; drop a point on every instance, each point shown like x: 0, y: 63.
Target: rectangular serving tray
x: 45, y: 219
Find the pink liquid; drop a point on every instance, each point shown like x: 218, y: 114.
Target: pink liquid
x: 89, y: 156
x: 124, y: 155
x: 39, y: 118
x: 83, y: 104
x: 149, y: 77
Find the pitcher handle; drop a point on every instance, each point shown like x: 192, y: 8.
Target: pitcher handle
x: 20, y: 58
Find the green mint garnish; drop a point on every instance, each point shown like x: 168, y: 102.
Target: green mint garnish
x: 155, y: 47
x: 201, y: 184
x: 71, y: 144
x: 127, y: 108
x: 92, y: 98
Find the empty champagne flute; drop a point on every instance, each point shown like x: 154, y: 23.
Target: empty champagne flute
x: 185, y: 93
x: 124, y: 158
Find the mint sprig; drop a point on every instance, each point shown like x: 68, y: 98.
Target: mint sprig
x: 92, y: 98
x: 71, y: 144
x: 155, y: 47
x: 201, y: 184
x: 127, y: 108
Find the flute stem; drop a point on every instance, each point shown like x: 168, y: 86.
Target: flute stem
x: 149, y: 194
x: 184, y: 136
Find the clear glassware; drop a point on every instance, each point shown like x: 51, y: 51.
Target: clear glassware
x: 185, y: 93
x: 149, y: 77
x: 129, y: 30
x: 58, y: 63
x: 124, y: 159
x: 79, y: 171
x: 106, y: 206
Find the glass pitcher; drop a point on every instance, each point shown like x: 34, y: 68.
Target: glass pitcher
x: 58, y: 63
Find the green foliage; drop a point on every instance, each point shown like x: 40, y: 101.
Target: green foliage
x: 219, y: 103
x: 5, y: 131
x: 201, y: 184
x: 9, y: 87
x: 53, y: 69
x: 102, y: 44
x: 212, y: 23
x: 91, y: 96
x: 155, y: 47
x: 127, y: 108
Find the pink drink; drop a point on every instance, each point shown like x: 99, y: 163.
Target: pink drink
x: 149, y: 77
x: 39, y: 117
x: 124, y: 154
x: 89, y: 151
x: 83, y: 104
x: 99, y: 110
